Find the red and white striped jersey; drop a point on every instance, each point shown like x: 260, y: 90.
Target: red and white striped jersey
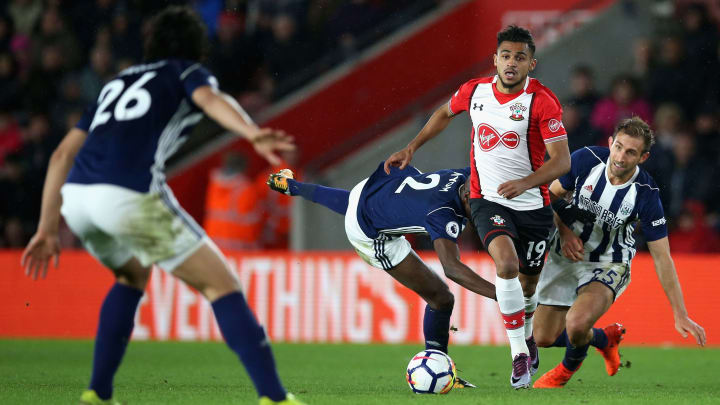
x: 508, y: 137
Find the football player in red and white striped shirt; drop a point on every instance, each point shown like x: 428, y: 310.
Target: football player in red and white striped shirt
x: 516, y: 120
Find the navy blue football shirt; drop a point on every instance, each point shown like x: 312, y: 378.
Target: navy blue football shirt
x: 409, y: 201
x: 140, y: 119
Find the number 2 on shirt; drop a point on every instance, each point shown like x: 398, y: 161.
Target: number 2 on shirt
x: 416, y: 185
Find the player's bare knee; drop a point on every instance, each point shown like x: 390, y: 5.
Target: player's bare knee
x: 543, y: 338
x: 577, y: 330
x: 507, y: 267
x: 133, y: 275
x: 443, y: 300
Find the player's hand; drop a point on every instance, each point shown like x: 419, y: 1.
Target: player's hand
x: 686, y: 325
x: 571, y: 246
x: 513, y: 188
x: 268, y: 141
x: 41, y: 248
x: 400, y: 159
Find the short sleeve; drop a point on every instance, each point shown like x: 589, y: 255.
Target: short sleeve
x: 86, y: 118
x: 652, y: 218
x: 460, y: 101
x: 443, y: 223
x: 550, y: 118
x: 196, y: 75
x: 567, y: 180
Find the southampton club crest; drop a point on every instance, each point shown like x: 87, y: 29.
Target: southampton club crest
x: 517, y: 111
x: 497, y: 220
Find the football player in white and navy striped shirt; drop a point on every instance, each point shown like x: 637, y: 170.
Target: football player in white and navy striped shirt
x: 589, y: 263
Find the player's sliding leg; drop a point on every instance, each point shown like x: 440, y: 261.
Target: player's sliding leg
x: 593, y: 301
x: 512, y: 307
x: 334, y: 198
x: 208, y: 272
x: 414, y: 274
x: 117, y: 318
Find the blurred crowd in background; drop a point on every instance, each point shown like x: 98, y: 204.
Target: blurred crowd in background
x: 56, y: 55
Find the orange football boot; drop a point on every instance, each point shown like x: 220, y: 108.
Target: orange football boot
x: 555, y: 378
x: 610, y: 353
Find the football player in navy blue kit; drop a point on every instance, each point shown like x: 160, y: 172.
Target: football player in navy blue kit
x: 589, y: 263
x: 107, y: 180
x: 381, y: 209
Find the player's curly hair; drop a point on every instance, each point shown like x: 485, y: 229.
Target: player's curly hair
x: 176, y: 33
x: 513, y: 33
x: 636, y: 128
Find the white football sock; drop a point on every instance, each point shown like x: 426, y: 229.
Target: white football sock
x: 530, y: 306
x: 512, y: 302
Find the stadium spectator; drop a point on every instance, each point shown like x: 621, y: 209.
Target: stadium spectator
x: 9, y: 86
x: 52, y: 32
x: 691, y: 233
x: 286, y: 52
x: 668, y: 81
x: 580, y: 132
x: 7, y: 29
x: 232, y: 212
x: 689, y: 175
x: 10, y: 135
x: 275, y: 208
x: 624, y: 101
x: 125, y: 42
x: 94, y: 76
x: 700, y: 35
x: 668, y: 122
x: 25, y: 14
x: 583, y: 94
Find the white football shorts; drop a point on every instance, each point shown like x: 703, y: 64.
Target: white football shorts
x: 383, y: 252
x: 115, y: 224
x: 562, y: 278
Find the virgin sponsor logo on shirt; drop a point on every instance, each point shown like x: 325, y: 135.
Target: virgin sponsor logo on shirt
x: 490, y: 138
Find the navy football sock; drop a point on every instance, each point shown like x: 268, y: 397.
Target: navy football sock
x: 247, y: 339
x: 562, y: 340
x: 574, y: 356
x: 436, y: 327
x: 117, y: 318
x: 599, y: 339
x: 334, y: 198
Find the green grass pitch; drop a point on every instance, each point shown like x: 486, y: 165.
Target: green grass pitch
x: 55, y: 372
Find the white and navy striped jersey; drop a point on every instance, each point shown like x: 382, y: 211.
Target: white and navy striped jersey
x: 408, y: 201
x: 618, y: 207
x: 137, y: 123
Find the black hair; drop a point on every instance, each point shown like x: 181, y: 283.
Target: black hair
x: 176, y: 32
x: 513, y: 33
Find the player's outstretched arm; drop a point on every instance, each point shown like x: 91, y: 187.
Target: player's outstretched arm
x: 436, y: 124
x: 457, y: 271
x: 665, y: 269
x: 556, y: 166
x: 230, y: 115
x: 45, y: 244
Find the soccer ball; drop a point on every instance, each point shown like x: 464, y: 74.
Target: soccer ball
x: 431, y: 372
